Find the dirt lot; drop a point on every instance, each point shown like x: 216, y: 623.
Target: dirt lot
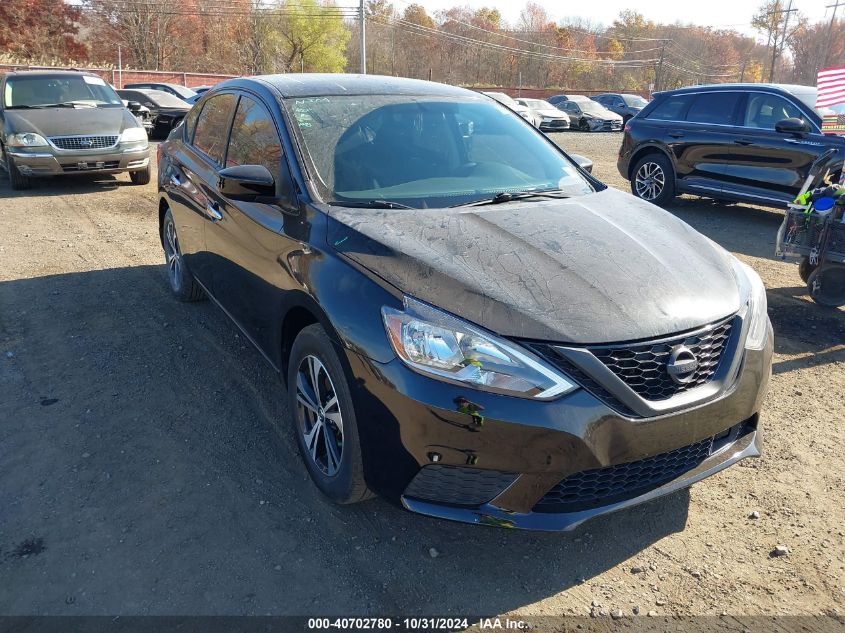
x: 147, y: 466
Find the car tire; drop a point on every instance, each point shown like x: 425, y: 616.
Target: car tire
x: 323, y: 418
x: 141, y: 177
x: 805, y: 269
x: 18, y: 180
x: 583, y: 126
x: 826, y: 285
x: 653, y: 179
x: 182, y: 283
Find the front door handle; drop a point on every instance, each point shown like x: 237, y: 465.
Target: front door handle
x: 744, y: 141
x: 676, y: 134
x: 213, y: 212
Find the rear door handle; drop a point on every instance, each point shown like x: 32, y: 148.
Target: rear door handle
x: 213, y: 212
x: 676, y: 134
x: 744, y: 141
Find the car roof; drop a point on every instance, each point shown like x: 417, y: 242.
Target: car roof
x: 327, y: 84
x: 49, y: 73
x: 771, y: 87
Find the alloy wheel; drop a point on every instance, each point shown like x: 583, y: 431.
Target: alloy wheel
x: 318, y: 415
x: 173, y: 256
x: 649, y: 181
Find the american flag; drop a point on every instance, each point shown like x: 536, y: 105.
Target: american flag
x: 831, y: 84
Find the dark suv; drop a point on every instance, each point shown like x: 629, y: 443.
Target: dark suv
x: 740, y: 142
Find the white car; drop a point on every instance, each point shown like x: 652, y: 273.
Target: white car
x: 520, y: 109
x: 548, y: 117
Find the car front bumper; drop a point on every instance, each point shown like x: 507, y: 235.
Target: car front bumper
x: 43, y: 161
x: 476, y: 457
x: 554, y: 125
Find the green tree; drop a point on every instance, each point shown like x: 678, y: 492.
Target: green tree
x: 313, y: 37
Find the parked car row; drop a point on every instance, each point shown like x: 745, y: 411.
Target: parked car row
x: 601, y: 113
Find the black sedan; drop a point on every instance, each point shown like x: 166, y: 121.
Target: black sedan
x: 166, y: 110
x: 465, y: 322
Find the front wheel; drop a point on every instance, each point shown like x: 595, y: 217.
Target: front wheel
x: 18, y: 180
x: 805, y: 269
x: 653, y: 179
x: 140, y: 177
x: 324, y: 419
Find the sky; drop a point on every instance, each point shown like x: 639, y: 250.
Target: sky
x: 716, y: 13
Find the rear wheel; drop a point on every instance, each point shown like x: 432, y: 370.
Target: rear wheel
x: 324, y: 418
x: 653, y: 179
x: 827, y: 285
x: 141, y: 177
x: 182, y: 283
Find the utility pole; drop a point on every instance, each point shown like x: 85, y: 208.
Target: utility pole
x: 830, y: 30
x: 777, y: 51
x: 659, y: 71
x: 119, y: 67
x: 362, y: 25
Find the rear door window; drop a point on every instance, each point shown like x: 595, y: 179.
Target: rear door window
x: 212, y: 130
x: 672, y: 108
x: 764, y: 111
x: 717, y: 108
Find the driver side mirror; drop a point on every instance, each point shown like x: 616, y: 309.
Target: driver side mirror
x: 133, y: 106
x: 792, y: 125
x: 247, y: 183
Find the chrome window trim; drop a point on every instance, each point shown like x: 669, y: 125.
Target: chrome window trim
x: 799, y: 105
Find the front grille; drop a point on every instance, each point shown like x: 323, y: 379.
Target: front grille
x: 642, y: 366
x: 457, y: 485
x: 83, y: 142
x: 603, y: 486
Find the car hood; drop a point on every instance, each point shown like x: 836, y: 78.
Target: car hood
x: 70, y: 121
x: 606, y: 267
x: 607, y: 115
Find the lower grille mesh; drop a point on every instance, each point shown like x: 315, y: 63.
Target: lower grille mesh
x: 457, y: 485
x: 603, y: 486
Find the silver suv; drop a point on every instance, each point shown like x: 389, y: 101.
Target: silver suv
x: 67, y: 122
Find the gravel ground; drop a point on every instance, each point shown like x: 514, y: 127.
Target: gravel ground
x: 147, y: 466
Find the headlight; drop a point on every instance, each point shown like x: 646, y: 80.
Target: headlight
x: 26, y: 139
x: 757, y: 308
x: 133, y: 135
x: 440, y: 345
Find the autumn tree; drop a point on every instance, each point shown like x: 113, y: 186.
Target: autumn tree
x: 41, y: 29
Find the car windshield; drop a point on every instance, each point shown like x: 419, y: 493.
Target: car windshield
x: 591, y: 107
x: 42, y: 91
x: 164, y: 99
x: 424, y: 152
x: 538, y: 104
x: 501, y: 97
x: 634, y: 101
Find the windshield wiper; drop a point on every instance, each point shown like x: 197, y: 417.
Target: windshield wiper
x: 369, y: 204
x: 507, y: 196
